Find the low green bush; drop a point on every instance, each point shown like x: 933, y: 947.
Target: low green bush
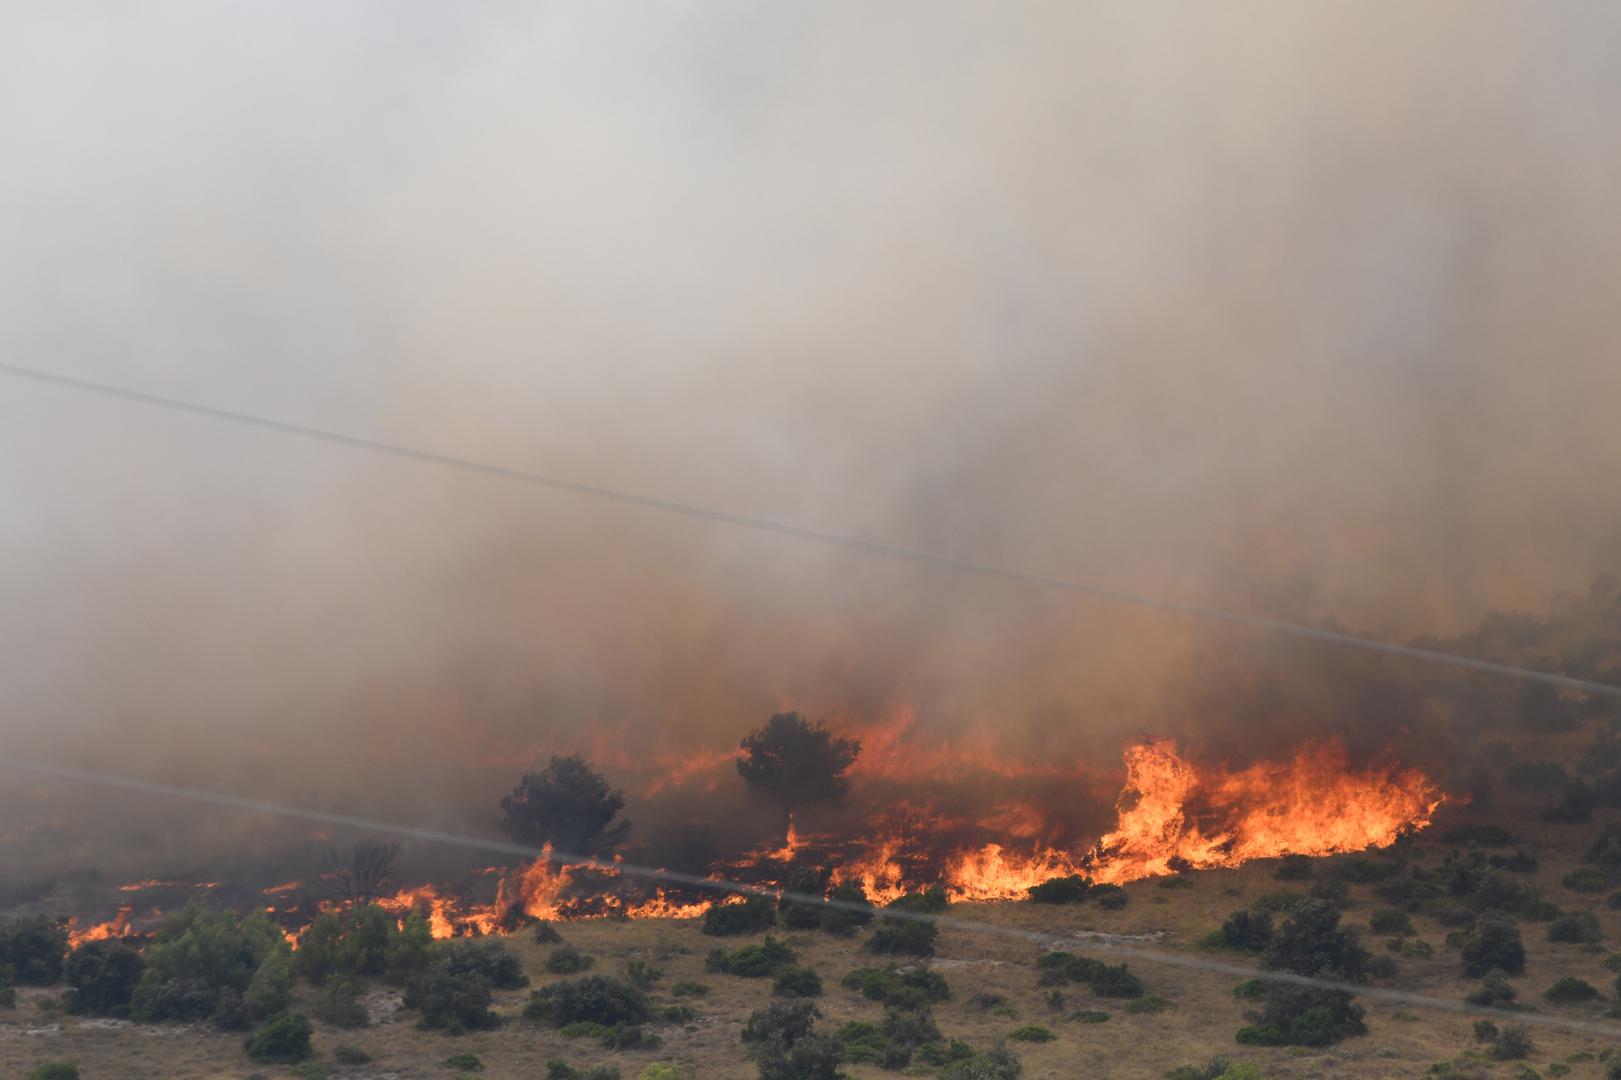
x: 284, y: 1040
x: 595, y: 998
x: 1031, y: 1033
x: 751, y: 961
x: 732, y: 918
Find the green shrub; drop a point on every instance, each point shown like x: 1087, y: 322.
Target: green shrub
x: 410, y: 952
x: 751, y: 961
x: 641, y: 974
x: 1495, y: 990
x: 1294, y: 868
x: 1587, y: 879
x: 33, y: 947
x: 687, y: 988
x: 560, y: 1070
x: 1244, y: 929
x: 797, y: 982
x: 932, y: 901
x: 355, y: 942
x: 1312, y: 942
x: 1512, y: 1044
x: 55, y: 1070
x: 1149, y: 1003
x: 450, y: 998
x: 862, y: 1041
x: 1390, y: 921
x: 1303, y: 1016
x: 567, y: 960
x: 850, y: 910
x: 1570, y: 990
x: 917, y: 986
x: 1109, y: 897
x: 893, y: 938
x: 660, y: 1070
x: 1088, y: 1016
x: 595, y: 998
x: 546, y: 934
x: 102, y: 976
x: 1485, y: 1031
x: 465, y: 1062
x: 905, y: 1030
x: 284, y: 1040
x: 485, y: 957
x: 1031, y: 1033
x: 197, y: 955
x: 1072, y: 889
x: 270, y: 990
x: 782, y: 1040
x: 677, y: 1014
x: 732, y: 919
x: 338, y: 1002
x: 1493, y: 942
x: 1581, y: 928
x: 344, y: 1054
x: 994, y: 1064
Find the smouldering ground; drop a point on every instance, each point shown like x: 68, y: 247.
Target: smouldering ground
x: 1402, y: 1041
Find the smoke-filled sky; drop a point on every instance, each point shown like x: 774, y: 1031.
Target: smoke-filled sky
x: 1297, y: 309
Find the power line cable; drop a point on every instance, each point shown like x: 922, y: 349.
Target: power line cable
x: 817, y: 536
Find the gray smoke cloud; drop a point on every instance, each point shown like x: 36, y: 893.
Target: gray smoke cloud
x: 1296, y: 310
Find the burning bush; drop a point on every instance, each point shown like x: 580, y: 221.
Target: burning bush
x: 732, y: 919
x: 34, y: 948
x: 782, y: 1040
x: 101, y: 976
x: 284, y: 1040
x: 596, y: 999
x: 199, y: 954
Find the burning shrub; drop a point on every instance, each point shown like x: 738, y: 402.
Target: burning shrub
x: 751, y: 961
x: 34, y: 947
x: 486, y: 958
x: 753, y: 915
x: 284, y: 1040
x: 902, y: 988
x: 568, y: 805
x: 338, y: 1002
x: 567, y: 960
x: 782, y: 1040
x: 101, y: 976
x: 800, y: 982
x: 451, y: 999
x: 1493, y: 942
x: 904, y: 939
x: 1571, y: 990
x: 1070, y: 889
x: 597, y: 999
x: 197, y: 954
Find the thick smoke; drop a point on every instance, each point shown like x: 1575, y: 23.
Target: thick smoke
x: 1300, y: 311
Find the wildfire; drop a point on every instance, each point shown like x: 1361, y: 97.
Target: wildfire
x: 116, y: 927
x: 1310, y: 804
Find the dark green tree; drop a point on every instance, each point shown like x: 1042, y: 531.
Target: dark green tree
x: 569, y: 805
x: 791, y: 762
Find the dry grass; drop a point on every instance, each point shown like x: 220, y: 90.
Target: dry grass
x: 1401, y: 1042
